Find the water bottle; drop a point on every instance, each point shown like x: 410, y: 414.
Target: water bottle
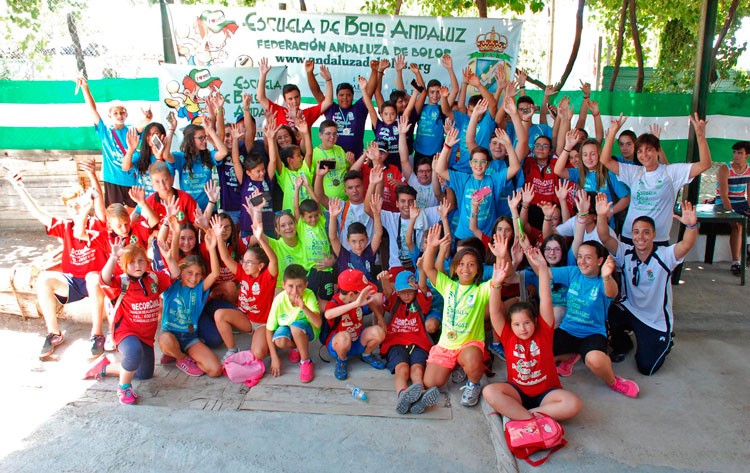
x: 357, y: 393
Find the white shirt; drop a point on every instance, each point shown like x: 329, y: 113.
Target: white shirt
x: 425, y: 194
x: 355, y: 213
x: 568, y: 227
x: 653, y: 194
x: 427, y: 218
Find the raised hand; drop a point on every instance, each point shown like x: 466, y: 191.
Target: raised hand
x: 535, y: 259
x: 521, y: 76
x: 548, y: 209
x: 451, y: 138
x: 131, y: 139
x: 509, y: 106
x: 118, y: 246
x: 376, y: 203
x: 561, y: 190
x: 200, y: 219
x: 376, y: 175
x: 216, y: 227
x: 689, y: 214
x: 171, y: 207
x: 615, y: 124
x: 246, y: 99
x: 549, y: 90
x: 527, y: 195
x: 365, y: 296
x: 413, y: 212
x: 309, y: 66
x: 571, y: 139
x: 602, y: 206
x: 503, y: 137
x: 433, y: 236
x: 500, y: 273
x: 501, y: 76
x: 325, y: 73
x: 444, y: 91
x: 445, y: 207
x: 514, y: 200
x: 212, y: 191
x: 585, y: 88
x: 362, y: 83
x: 263, y: 66
x: 400, y: 62
x: 699, y: 126
x: 385, y: 64
x: 334, y: 207
x: 138, y: 194
x: 594, y: 107
x: 480, y: 108
x: 403, y: 125
x: 608, y: 267
x: 583, y: 203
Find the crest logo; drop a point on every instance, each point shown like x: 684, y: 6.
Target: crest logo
x: 490, y: 56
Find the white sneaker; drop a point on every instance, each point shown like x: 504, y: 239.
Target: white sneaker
x: 470, y: 397
x: 109, y: 343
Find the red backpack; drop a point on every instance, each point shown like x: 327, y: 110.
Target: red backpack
x: 526, y: 437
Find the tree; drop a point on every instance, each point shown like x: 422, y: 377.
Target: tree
x: 453, y: 7
x: 667, y: 31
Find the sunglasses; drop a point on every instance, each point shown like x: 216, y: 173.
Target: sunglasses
x: 636, y: 273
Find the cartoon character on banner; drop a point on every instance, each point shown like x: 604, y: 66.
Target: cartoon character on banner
x: 491, y: 55
x: 196, y: 87
x: 203, y: 43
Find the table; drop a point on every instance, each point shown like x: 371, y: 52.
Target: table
x: 707, y: 213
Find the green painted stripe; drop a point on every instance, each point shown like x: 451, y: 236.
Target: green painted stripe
x: 74, y: 138
x: 676, y: 150
x: 58, y: 91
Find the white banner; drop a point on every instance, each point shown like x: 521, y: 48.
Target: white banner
x: 344, y: 43
x: 183, y: 90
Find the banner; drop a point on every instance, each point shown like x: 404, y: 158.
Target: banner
x: 344, y: 43
x: 183, y: 91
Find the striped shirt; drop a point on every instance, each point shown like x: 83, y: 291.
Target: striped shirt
x: 737, y: 185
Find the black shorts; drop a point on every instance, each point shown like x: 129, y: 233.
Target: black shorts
x: 532, y: 402
x: 411, y: 354
x: 116, y: 194
x: 565, y: 343
x: 321, y: 283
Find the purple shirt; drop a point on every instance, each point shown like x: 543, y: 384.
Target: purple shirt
x: 351, y: 123
x: 266, y: 188
x: 364, y: 263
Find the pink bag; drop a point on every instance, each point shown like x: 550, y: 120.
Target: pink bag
x: 243, y: 367
x: 525, y: 437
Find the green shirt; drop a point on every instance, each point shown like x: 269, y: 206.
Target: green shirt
x: 288, y: 255
x: 333, y: 181
x: 283, y: 313
x: 314, y: 240
x: 463, y: 311
x: 286, y: 179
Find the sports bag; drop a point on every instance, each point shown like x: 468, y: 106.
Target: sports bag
x: 243, y: 367
x: 528, y: 436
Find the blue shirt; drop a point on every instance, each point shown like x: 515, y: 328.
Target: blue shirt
x: 559, y: 292
x: 430, y: 136
x: 613, y: 184
x: 183, y: 307
x: 587, y: 305
x: 465, y: 185
x: 193, y: 184
x: 535, y: 131
x: 114, y: 145
x: 511, y: 185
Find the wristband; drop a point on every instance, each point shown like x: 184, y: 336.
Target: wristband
x: 212, y: 202
x: 445, y: 145
x: 690, y: 227
x: 547, y: 219
x: 525, y: 207
x: 329, y: 80
x: 522, y: 87
x: 607, y: 278
x: 172, y: 129
x: 595, y: 114
x: 566, y: 150
x: 583, y: 214
x: 496, y: 287
x: 586, y: 97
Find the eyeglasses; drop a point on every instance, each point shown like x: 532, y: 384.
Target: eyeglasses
x: 330, y: 133
x: 553, y: 250
x: 636, y: 273
x: 478, y: 161
x: 248, y: 262
x: 524, y: 110
x: 541, y: 146
x: 201, y: 138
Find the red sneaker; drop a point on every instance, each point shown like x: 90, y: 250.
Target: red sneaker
x: 565, y: 368
x: 306, y: 371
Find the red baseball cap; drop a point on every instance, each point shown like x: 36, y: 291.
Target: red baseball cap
x: 354, y: 280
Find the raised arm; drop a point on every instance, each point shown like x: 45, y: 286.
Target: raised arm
x: 431, y: 246
x: 274, y: 162
x: 376, y: 204
x: 602, y: 223
x: 131, y: 141
x: 445, y: 106
x: 583, y: 204
x: 539, y: 265
x: 376, y: 180
x: 138, y: 194
x: 471, y: 130
x: 83, y: 83
x: 260, y: 236
x: 381, y: 66
x: 442, y: 164
x: 699, y: 126
x: 447, y: 62
x: 522, y: 133
x: 312, y: 83
x: 561, y: 166
x: 368, y: 101
x: 334, y: 209
x: 486, y: 94
x: 209, y: 280
x: 226, y: 257
x: 114, y: 256
x: 606, y: 156
x: 400, y: 66
x: 598, y: 126
x: 328, y: 99
x: 221, y: 148
x: 497, y: 308
x: 15, y: 181
x: 249, y: 121
x: 548, y: 92
x: 403, y: 148
x: 689, y: 218
x: 239, y: 171
x: 264, y: 69
x: 514, y: 163
x: 610, y: 285
x: 88, y: 166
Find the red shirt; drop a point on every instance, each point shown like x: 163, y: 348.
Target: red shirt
x: 311, y: 114
x: 139, y: 311
x: 349, y: 322
x: 407, y: 323
x: 530, y: 363
x: 543, y: 179
x: 256, y: 294
x: 81, y: 257
x: 389, y: 190
x: 224, y: 273
x: 185, y: 203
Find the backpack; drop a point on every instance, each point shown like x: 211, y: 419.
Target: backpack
x: 124, y: 285
x: 243, y: 367
x: 528, y: 436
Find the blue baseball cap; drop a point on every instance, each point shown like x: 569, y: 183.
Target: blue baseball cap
x: 406, y: 281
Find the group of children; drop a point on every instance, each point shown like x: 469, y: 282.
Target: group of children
x: 419, y: 252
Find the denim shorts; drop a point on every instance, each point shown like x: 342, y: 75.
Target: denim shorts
x: 285, y: 331
x: 186, y: 340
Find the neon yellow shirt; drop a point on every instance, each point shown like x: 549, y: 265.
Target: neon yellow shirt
x: 314, y: 240
x: 333, y: 181
x: 283, y: 313
x: 463, y: 311
x: 286, y: 179
x: 288, y: 255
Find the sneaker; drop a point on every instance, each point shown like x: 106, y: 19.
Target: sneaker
x: 306, y: 371
x: 626, y: 387
x: 565, y: 368
x: 428, y: 398
x: 189, y: 367
x: 497, y: 349
x: 407, y: 397
x: 127, y: 395
x: 294, y: 356
x: 166, y: 360
x: 98, y: 369
x: 374, y: 360
x: 109, y: 342
x: 52, y: 340
x: 97, y: 344
x: 342, y: 369
x: 617, y: 357
x: 736, y: 269
x: 458, y: 375
x: 470, y: 397
x: 230, y: 352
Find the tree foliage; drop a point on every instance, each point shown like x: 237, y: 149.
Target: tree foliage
x: 453, y: 7
x: 668, y: 30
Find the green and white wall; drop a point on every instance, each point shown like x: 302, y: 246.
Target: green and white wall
x: 47, y: 115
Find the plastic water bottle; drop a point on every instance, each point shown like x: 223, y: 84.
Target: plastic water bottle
x: 357, y: 393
